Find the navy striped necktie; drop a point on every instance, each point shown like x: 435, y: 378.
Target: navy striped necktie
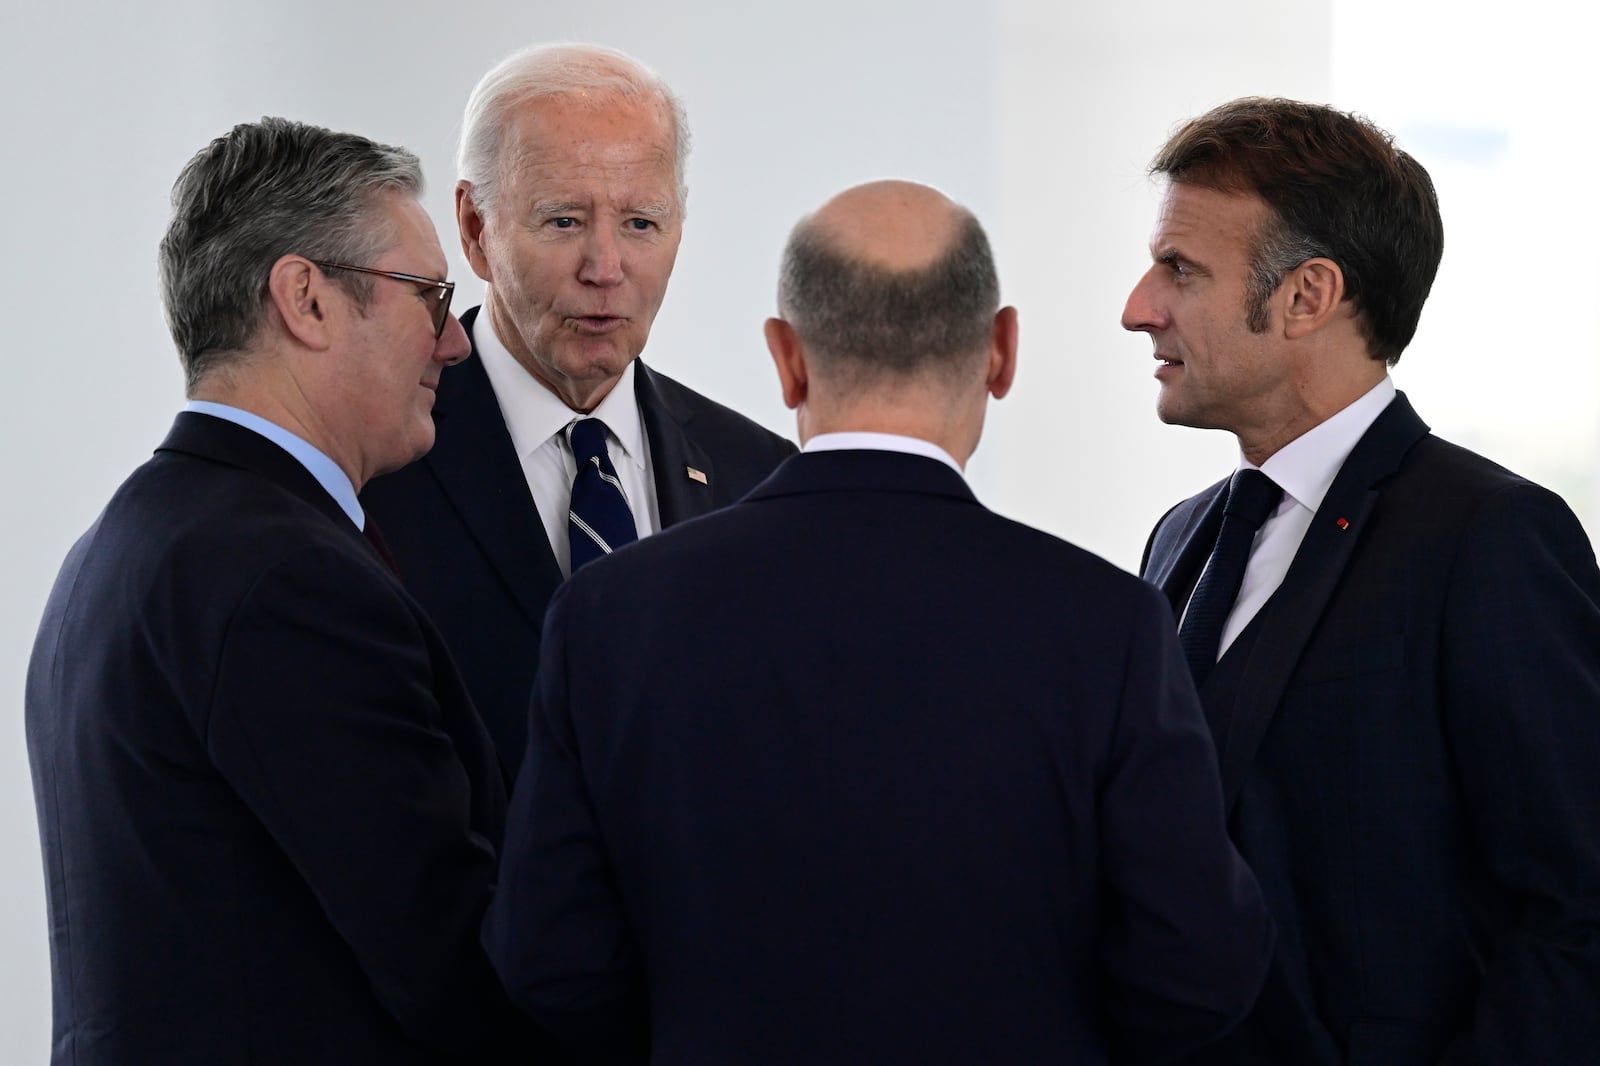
x: 598, y: 520
x: 1251, y: 497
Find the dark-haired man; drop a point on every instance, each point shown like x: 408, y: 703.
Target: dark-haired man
x: 268, y: 809
x: 1397, y: 641
x: 902, y: 781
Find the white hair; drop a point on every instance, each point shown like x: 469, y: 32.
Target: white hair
x: 556, y: 70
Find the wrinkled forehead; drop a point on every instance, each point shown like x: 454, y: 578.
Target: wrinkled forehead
x: 1198, y: 213
x: 589, y: 127
x: 412, y: 244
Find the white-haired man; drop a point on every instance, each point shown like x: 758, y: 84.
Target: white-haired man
x: 570, y: 205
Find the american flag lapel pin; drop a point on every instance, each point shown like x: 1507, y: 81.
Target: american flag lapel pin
x: 700, y: 475
x: 1343, y: 524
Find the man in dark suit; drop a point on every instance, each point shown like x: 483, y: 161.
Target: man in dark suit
x: 902, y: 781
x: 269, y: 812
x: 1401, y: 666
x: 570, y: 207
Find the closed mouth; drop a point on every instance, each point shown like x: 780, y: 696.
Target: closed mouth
x: 595, y: 325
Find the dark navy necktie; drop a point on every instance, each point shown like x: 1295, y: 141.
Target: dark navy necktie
x: 598, y: 521
x: 1251, y: 497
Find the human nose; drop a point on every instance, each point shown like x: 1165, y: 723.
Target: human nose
x: 1139, y: 314
x: 602, y: 258
x: 453, y: 345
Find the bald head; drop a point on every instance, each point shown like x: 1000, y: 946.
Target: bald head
x: 893, y: 226
x: 890, y: 279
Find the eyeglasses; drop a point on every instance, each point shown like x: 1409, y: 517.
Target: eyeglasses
x: 437, y: 294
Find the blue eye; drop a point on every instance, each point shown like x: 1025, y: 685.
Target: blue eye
x: 563, y: 223
x: 641, y: 224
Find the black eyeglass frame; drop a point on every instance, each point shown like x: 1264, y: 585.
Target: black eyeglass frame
x: 447, y: 289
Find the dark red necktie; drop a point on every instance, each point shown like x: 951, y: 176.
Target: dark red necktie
x: 379, y: 545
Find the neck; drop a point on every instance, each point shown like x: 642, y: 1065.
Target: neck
x: 280, y: 403
x: 1313, y: 407
x: 927, y: 423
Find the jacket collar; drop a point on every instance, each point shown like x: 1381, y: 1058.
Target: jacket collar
x: 220, y: 440
x: 862, y: 470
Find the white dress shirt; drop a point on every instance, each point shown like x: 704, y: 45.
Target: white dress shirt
x: 1304, y: 468
x: 540, y: 423
x: 883, y: 442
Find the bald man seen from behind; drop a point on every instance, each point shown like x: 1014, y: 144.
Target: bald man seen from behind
x: 903, y: 781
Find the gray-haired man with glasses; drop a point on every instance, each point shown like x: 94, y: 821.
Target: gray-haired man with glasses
x: 268, y: 808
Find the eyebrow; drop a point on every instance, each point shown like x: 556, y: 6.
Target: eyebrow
x: 657, y: 209
x: 653, y: 209
x: 1167, y: 253
x: 557, y: 207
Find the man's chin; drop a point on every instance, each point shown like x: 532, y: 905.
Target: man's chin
x: 1169, y: 410
x: 1177, y: 414
x: 421, y: 444
x: 587, y: 375
x: 598, y: 358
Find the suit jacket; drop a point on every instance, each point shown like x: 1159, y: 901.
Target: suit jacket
x: 901, y: 781
x: 269, y: 812
x: 472, y: 548
x: 1409, y: 757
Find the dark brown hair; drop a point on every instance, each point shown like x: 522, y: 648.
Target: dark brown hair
x: 1338, y: 188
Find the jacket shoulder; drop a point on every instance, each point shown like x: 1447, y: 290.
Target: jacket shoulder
x: 709, y: 420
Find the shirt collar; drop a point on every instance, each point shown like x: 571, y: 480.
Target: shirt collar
x: 534, y: 414
x: 883, y: 442
x: 1306, y: 466
x: 327, y: 472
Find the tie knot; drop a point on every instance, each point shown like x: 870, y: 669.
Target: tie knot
x: 1252, y: 497
x: 588, y: 439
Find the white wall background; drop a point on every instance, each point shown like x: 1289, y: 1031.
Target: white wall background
x: 1039, y: 114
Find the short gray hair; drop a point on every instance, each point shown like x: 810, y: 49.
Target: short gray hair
x: 557, y: 70
x: 873, y: 321
x: 262, y: 191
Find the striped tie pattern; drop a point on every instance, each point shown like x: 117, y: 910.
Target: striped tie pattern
x: 1251, y: 497
x: 598, y: 520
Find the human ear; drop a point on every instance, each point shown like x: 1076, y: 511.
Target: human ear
x: 470, y: 223
x: 1002, y: 352
x: 789, y: 358
x: 1313, y: 292
x: 301, y: 295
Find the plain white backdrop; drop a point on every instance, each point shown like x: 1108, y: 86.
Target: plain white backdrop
x: 1038, y: 114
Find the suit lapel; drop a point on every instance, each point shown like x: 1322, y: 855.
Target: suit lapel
x: 1182, y: 542
x: 674, y: 455
x: 477, y: 466
x: 1295, y: 608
